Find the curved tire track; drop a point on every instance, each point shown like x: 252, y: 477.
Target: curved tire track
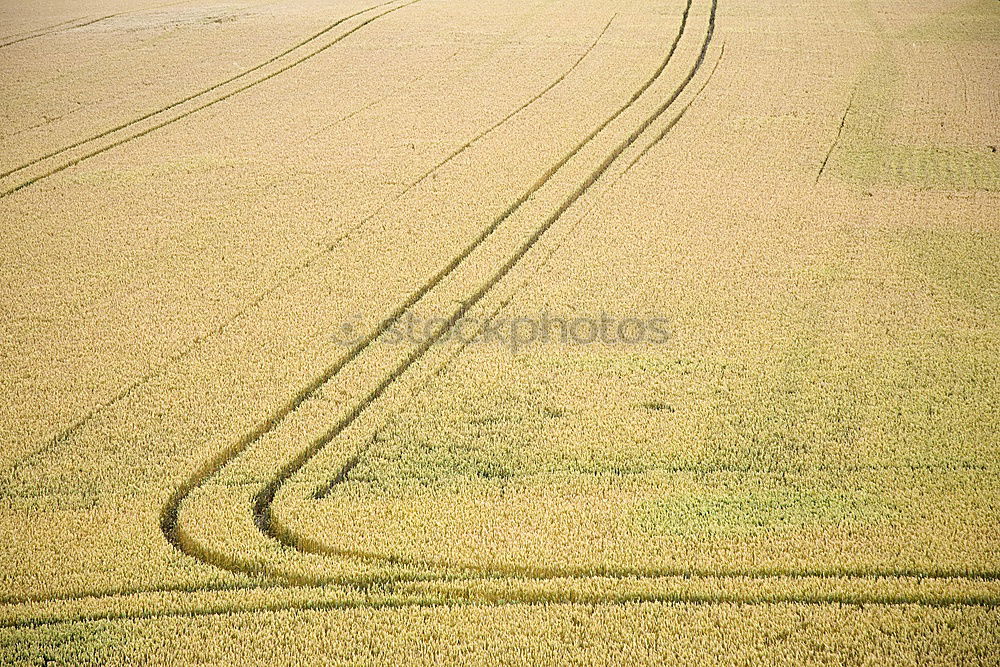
x: 264, y: 499
x: 904, y: 599
x: 170, y: 525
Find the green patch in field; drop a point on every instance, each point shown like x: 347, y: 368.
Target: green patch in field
x: 800, y: 405
x: 867, y: 155
x: 556, y: 413
x: 865, y: 162
x: 728, y: 505
x: 978, y: 21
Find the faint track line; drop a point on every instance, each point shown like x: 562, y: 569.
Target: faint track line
x: 48, y: 120
x: 191, y: 96
x: 58, y: 27
x: 37, y: 32
x: 68, y: 432
x: 475, y: 139
x: 376, y: 102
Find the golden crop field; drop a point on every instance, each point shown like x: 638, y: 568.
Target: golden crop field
x: 492, y: 332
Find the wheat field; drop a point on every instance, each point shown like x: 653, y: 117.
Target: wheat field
x: 489, y: 332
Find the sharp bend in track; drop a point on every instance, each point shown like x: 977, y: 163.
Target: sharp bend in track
x: 297, y: 271
x: 170, y: 516
x: 264, y: 499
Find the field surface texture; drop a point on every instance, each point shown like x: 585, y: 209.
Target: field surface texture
x: 492, y: 331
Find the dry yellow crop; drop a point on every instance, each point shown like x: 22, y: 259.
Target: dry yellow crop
x: 498, y: 332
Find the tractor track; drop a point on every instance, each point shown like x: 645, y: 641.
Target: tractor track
x: 676, y: 119
x: 263, y: 500
x: 836, y: 139
x: 132, y: 132
x: 265, y: 497
x: 192, y: 96
x: 66, y: 433
x: 169, y: 523
x: 368, y: 585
